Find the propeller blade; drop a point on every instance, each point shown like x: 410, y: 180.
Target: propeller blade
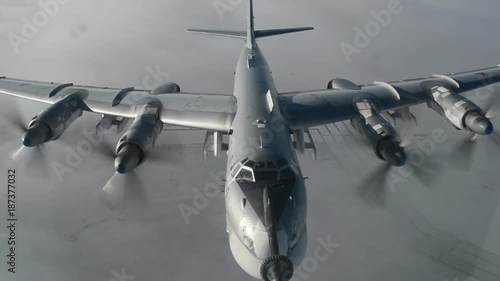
x: 112, y: 194
x: 428, y: 172
x: 373, y: 189
x: 492, y: 109
x: 495, y: 137
x: 35, y: 159
x: 462, y: 154
x: 123, y: 190
x: 13, y: 118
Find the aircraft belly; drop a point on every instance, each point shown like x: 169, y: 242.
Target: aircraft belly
x: 244, y: 257
x: 251, y: 264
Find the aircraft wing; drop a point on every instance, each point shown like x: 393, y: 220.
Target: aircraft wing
x: 202, y: 111
x: 314, y: 108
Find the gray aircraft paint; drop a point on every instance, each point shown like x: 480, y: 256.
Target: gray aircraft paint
x: 262, y: 143
x: 410, y: 69
x: 259, y: 134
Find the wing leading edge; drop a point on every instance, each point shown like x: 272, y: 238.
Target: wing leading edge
x: 202, y: 111
x: 314, y: 108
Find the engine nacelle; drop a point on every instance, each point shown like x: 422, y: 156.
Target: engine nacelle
x: 461, y: 112
x: 339, y: 83
x: 53, y: 122
x: 380, y: 133
x: 167, y: 88
x: 140, y: 138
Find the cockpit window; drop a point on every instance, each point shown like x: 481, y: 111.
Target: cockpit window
x: 250, y: 163
x: 281, y: 163
x: 266, y: 176
x: 235, y: 169
x: 260, y: 165
x: 287, y: 174
x: 271, y: 165
x: 251, y: 171
x: 245, y: 175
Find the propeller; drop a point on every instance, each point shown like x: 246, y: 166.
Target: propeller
x: 382, y: 179
x: 373, y: 188
x: 425, y: 171
x: 122, y: 189
x: 34, y: 157
x: 493, y: 108
x: 126, y: 188
x: 462, y: 154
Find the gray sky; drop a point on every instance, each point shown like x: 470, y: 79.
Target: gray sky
x: 434, y: 233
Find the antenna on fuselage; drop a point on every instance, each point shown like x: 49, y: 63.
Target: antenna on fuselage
x: 250, y: 26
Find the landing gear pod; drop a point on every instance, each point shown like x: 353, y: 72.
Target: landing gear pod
x: 339, y: 83
x: 53, y: 122
x: 167, y: 88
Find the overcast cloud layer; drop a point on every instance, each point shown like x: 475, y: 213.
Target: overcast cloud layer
x: 446, y: 231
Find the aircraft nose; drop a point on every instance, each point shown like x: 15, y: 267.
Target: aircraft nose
x: 277, y: 268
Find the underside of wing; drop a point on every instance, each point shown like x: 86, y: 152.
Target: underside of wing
x: 203, y: 111
x: 372, y: 110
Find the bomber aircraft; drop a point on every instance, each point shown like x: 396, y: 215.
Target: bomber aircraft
x: 265, y: 194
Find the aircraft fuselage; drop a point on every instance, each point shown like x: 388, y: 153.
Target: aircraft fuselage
x: 265, y: 193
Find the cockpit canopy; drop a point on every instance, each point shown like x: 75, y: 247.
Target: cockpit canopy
x: 251, y: 171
